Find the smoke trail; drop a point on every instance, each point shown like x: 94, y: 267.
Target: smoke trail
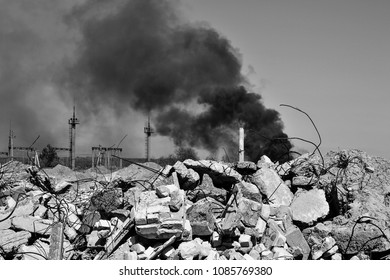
x: 141, y: 53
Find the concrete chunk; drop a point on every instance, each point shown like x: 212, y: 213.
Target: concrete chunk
x: 245, y: 240
x: 270, y: 184
x: 309, y: 206
x: 220, y: 173
x: 10, y: 240
x: 248, y: 257
x: 295, y: 238
x: 249, y: 210
x: 24, y: 207
x: 38, y: 251
x: 166, y: 190
x: 281, y: 254
x: 189, y: 250
x: 188, y: 178
x: 32, y: 224
x: 260, y: 226
x: 246, y: 167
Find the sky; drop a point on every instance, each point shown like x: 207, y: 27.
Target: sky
x: 328, y: 58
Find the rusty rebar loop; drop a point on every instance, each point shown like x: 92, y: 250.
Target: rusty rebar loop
x: 362, y: 220
x: 315, y: 127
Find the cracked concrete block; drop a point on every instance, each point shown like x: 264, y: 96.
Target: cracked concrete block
x: 10, y: 240
x: 272, y: 187
x: 32, y: 224
x: 220, y: 173
x: 245, y: 240
x: 166, y: 190
x: 281, y: 254
x: 261, y: 226
x: 38, y: 251
x: 309, y: 206
x: 189, y: 250
x: 295, y: 238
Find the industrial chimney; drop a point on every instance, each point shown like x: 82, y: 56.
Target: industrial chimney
x: 241, y: 144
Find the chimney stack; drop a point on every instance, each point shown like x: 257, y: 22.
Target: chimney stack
x: 241, y: 144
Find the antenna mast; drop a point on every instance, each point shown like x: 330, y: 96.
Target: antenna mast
x: 148, y: 131
x: 11, y: 143
x: 72, y: 138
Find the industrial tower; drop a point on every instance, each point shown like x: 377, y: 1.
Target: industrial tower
x: 72, y: 138
x: 148, y: 131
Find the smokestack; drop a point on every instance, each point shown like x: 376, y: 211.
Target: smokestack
x: 241, y: 144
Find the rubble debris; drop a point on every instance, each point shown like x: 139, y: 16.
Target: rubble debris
x: 108, y: 200
x: 220, y: 173
x: 37, y: 251
x: 280, y: 253
x: 249, y: 211
x: 202, y: 216
x: 23, y: 207
x: 246, y: 167
x: 249, y: 191
x: 188, y: 178
x: 154, y: 218
x: 311, y: 208
x: 265, y: 162
x: 206, y: 188
x: 295, y: 239
x: 325, y: 248
x: 32, y: 224
x: 155, y: 253
x: 189, y: 250
x: 56, y: 242
x: 11, y: 240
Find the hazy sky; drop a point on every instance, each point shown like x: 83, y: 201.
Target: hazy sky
x: 329, y: 58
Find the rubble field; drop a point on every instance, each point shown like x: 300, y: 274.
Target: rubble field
x: 332, y: 207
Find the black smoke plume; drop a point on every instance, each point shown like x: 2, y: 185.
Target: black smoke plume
x: 141, y: 53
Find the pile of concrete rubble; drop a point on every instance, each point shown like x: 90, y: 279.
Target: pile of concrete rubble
x: 333, y: 207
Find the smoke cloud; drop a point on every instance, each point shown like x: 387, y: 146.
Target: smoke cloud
x: 188, y: 76
x: 123, y: 58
